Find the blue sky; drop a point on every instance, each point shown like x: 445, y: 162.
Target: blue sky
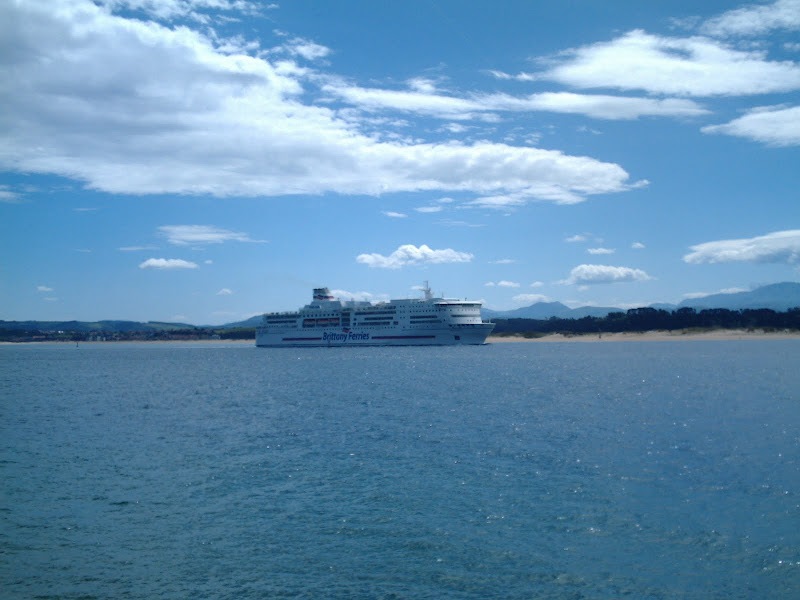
x: 207, y: 160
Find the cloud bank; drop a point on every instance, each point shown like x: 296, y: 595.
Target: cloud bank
x: 774, y: 126
x: 187, y: 235
x: 694, y: 66
x: 530, y: 298
x: 756, y: 19
x: 131, y: 106
x: 777, y: 247
x: 477, y: 106
x: 167, y: 264
x: 358, y: 296
x: 409, y: 254
x: 591, y: 274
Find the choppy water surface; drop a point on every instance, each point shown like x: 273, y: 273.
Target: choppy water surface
x: 644, y: 469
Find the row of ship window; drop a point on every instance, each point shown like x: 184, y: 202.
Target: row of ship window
x: 333, y: 321
x: 286, y: 319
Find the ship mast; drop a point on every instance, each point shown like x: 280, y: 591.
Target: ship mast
x: 427, y: 291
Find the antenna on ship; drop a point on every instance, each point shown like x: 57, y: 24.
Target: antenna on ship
x: 427, y: 291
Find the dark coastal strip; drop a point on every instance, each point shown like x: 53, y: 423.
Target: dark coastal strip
x: 635, y: 320
x: 640, y: 320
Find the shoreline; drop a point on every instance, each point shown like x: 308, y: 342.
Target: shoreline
x: 646, y: 336
x: 655, y: 336
x: 92, y: 343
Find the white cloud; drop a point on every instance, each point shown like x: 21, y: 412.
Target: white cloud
x: 537, y: 284
x: 307, y: 49
x: 590, y: 274
x: 502, y: 261
x: 455, y: 128
x: 428, y: 209
x: 136, y: 248
x: 409, y: 254
x: 499, y: 202
x: 530, y: 298
x: 224, y: 292
x: 600, y: 251
x: 490, y: 284
x: 84, y: 209
x: 540, y: 190
x: 425, y: 102
x: 44, y: 288
x: 167, y: 264
x: 695, y: 295
x: 454, y: 223
x: 422, y: 84
x: 508, y: 284
x: 576, y: 238
x: 525, y: 77
x: 772, y: 125
x: 8, y: 196
x: 358, y: 296
x: 168, y: 10
x: 187, y: 235
x: 637, y: 245
x: 475, y: 107
x: 777, y: 247
x: 394, y: 215
x: 695, y: 66
x: 756, y: 19
x: 192, y: 119
x: 599, y: 106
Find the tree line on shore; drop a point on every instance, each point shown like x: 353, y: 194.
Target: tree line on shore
x: 652, y: 319
x: 133, y: 335
x: 634, y: 320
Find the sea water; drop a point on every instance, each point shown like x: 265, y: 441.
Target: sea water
x: 546, y: 470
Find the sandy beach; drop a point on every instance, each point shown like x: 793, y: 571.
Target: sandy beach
x: 657, y: 336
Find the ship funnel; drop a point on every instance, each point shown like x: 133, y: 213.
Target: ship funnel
x: 322, y: 294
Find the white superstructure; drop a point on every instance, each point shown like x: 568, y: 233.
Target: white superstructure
x: 327, y: 321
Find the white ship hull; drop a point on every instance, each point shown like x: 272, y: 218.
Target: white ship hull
x: 327, y: 321
x: 386, y: 337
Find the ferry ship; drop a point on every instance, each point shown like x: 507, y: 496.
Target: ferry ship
x: 328, y: 321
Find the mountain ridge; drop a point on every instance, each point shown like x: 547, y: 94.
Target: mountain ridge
x: 779, y: 297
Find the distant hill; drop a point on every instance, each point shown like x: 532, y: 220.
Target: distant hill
x: 539, y: 310
x: 90, y: 326
x: 594, y: 311
x: 777, y: 296
x: 664, y: 306
x: 545, y: 310
x: 251, y: 322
